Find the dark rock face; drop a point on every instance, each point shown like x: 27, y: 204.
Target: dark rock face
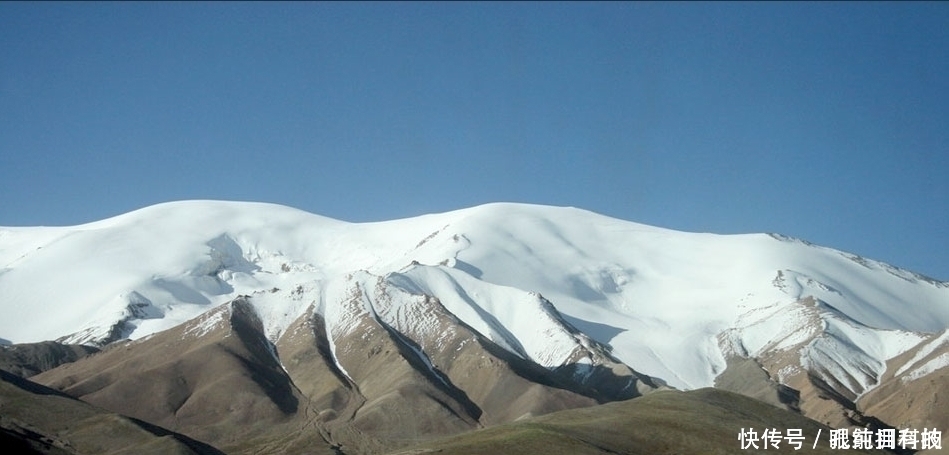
x: 29, y: 359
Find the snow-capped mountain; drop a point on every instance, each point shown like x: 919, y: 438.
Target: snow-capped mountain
x: 560, y: 288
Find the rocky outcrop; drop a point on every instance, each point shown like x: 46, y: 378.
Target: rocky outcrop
x: 29, y: 359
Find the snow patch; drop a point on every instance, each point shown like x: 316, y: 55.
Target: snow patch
x: 207, y: 322
x: 925, y: 351
x: 937, y: 363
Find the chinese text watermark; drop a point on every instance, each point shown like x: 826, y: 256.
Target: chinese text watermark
x: 861, y: 438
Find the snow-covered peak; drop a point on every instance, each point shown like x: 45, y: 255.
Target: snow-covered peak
x: 660, y: 299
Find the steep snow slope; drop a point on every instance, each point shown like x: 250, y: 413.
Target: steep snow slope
x: 659, y: 297
x: 542, y: 282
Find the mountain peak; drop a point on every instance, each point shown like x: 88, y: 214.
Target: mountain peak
x: 655, y: 299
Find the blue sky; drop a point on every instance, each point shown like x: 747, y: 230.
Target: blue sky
x: 825, y: 121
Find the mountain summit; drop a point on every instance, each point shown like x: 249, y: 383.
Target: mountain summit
x: 480, y: 316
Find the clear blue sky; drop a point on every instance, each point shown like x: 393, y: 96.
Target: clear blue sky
x: 824, y: 121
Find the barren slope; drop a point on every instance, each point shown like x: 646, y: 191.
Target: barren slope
x: 699, y: 422
x: 35, y: 419
x: 219, y: 380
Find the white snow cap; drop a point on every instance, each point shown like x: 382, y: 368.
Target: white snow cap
x: 659, y: 298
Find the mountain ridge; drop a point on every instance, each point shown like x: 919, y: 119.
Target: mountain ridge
x: 556, y: 298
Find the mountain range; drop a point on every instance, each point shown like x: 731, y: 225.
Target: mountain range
x: 257, y: 328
